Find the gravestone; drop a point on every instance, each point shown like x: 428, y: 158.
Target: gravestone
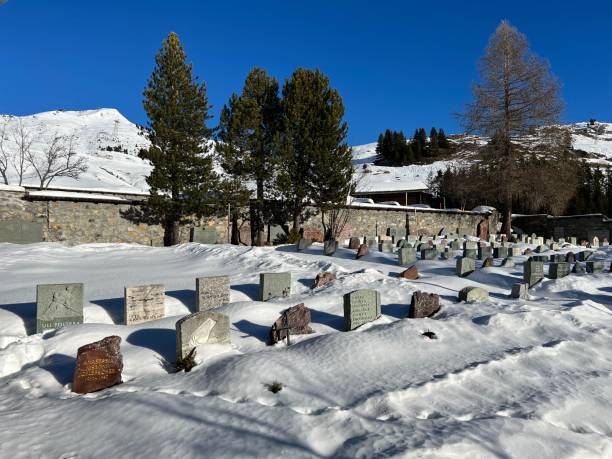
x: 274, y: 285
x: 573, y: 240
x: 605, y: 243
x: 579, y: 268
x: 362, y: 251
x: 303, y: 244
x: 293, y: 321
x: 371, y: 242
x: 595, y: 242
x: 470, y: 253
x: 542, y: 258
x: 533, y: 272
x: 411, y: 273
x: 447, y: 254
x: 323, y: 279
x: 557, y: 257
x: 507, y: 262
x: 200, y: 328
x: 570, y: 257
x: 360, y: 307
x: 406, y: 257
x: 428, y: 254
x: 515, y: 252
x: 423, y: 305
x: 456, y: 244
x: 470, y: 245
x: 403, y: 243
x: 203, y: 235
x: 58, y: 305
x: 594, y: 266
x: 143, y: 303
x: 386, y: 247
x: 501, y: 252
x: 527, y: 251
x: 465, y: 266
x: 541, y: 248
x: 397, y: 233
x: 559, y: 269
x: 329, y: 247
x: 482, y: 229
x: 98, y: 366
x: 212, y: 292
x: 584, y: 255
x: 488, y: 262
x: 484, y: 252
x: 469, y: 294
x: 354, y: 243
x: 519, y: 290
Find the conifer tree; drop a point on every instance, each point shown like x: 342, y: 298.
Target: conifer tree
x: 248, y: 127
x: 433, y: 141
x: 182, y: 180
x: 442, y: 140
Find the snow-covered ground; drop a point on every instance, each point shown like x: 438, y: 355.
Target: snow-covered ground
x: 505, y: 378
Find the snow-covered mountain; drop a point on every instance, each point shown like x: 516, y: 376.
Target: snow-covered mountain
x: 110, y: 144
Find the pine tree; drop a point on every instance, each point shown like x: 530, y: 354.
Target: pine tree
x: 182, y: 180
x: 316, y: 164
x: 433, y: 141
x: 609, y: 191
x: 248, y: 128
x: 442, y: 140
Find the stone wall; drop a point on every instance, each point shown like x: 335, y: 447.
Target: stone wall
x: 580, y: 226
x: 84, y: 219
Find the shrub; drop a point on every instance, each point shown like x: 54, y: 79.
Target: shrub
x: 186, y: 363
x: 275, y: 387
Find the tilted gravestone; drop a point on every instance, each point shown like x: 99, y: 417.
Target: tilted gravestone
x: 429, y: 254
x: 200, y: 328
x: 361, y: 307
x: 98, y: 366
x: 533, y: 272
x: 362, y: 251
x: 274, y: 285
x: 203, y: 235
x: 411, y: 273
x: 323, y: 278
x: 594, y: 266
x: 465, y: 266
x: 519, y: 290
x: 143, y: 303
x: 423, y: 305
x: 470, y: 294
x: 212, y: 292
x: 58, y: 305
x: 559, y: 269
x: 293, y: 321
x: 406, y: 257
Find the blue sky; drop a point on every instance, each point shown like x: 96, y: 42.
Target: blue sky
x: 397, y: 64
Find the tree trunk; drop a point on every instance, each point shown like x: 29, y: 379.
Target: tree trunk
x: 172, y: 233
x: 259, y: 224
x: 507, y: 219
x: 235, y: 239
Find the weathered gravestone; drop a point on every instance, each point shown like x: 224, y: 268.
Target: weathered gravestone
x: 533, y: 272
x: 501, y: 252
x: 406, y: 257
x: 465, y: 266
x: 507, y: 262
x: 595, y: 241
x: 429, y: 254
x: 488, y: 262
x: 470, y: 245
x: 386, y: 247
x: 570, y: 257
x: 559, y: 269
x: 470, y: 253
x: 519, y: 290
x: 203, y: 235
x: 212, y: 292
x: 447, y: 254
x: 303, y: 244
x: 371, y: 242
x: 363, y: 251
x: 482, y: 230
x: 200, y: 328
x: 274, y: 285
x: 360, y: 307
x: 542, y: 258
x: 143, y: 303
x: 323, y: 279
x: 411, y: 273
x: 584, y: 255
x: 293, y: 321
x: 58, y: 305
x: 98, y: 366
x: 403, y: 243
x: 423, y: 305
x: 594, y: 266
x: 557, y: 257
x: 515, y: 252
x: 456, y: 245
x: 329, y: 247
x: 541, y: 248
x: 470, y: 294
x: 354, y: 243
x: 573, y: 240
x: 396, y: 233
x: 484, y: 252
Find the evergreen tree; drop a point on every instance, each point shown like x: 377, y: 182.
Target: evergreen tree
x: 442, y: 140
x: 316, y: 164
x: 433, y: 141
x: 182, y: 179
x: 248, y: 126
x: 609, y: 191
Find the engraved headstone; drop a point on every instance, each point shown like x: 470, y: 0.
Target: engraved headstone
x: 293, y: 321
x: 515, y: 252
x: 465, y: 266
x: 429, y: 254
x: 570, y: 257
x: 470, y: 294
x: 274, y: 285
x: 403, y: 243
x: 361, y: 307
x: 470, y: 253
x: 203, y: 235
x: 533, y: 272
x: 470, y: 245
x: 557, y: 257
x: 303, y: 244
x: 143, y: 303
x: 542, y: 258
x: 484, y: 252
x: 329, y: 247
x: 406, y: 257
x: 371, y: 242
x: 456, y: 245
x: 501, y: 252
x: 423, y: 305
x: 573, y: 240
x: 98, y: 366
x: 559, y: 269
x: 482, y: 230
x: 58, y: 305
x: 212, y: 292
x: 200, y: 328
x: 386, y: 247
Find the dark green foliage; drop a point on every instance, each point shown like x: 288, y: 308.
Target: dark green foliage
x: 248, y: 127
x: 182, y: 179
x: 315, y: 159
x: 443, y: 142
x: 275, y: 387
x: 395, y: 149
x: 186, y: 363
x: 594, y: 194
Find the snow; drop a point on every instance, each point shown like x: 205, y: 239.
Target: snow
x: 505, y: 378
x: 76, y: 195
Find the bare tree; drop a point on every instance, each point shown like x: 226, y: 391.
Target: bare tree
x: 517, y: 96
x: 4, y: 154
x: 58, y: 159
x: 23, y: 139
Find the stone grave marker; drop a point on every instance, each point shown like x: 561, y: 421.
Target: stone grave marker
x: 423, y: 305
x: 470, y: 294
x: 447, y: 254
x: 594, y: 266
x: 386, y: 247
x: 212, y: 292
x: 411, y: 273
x: 465, y: 266
x: 403, y: 243
x: 429, y: 254
x: 541, y: 248
x: 293, y: 321
x: 203, y: 235
x: 361, y: 307
x: 363, y: 251
x: 303, y: 244
x: 200, y: 328
x: 354, y: 243
x: 515, y: 252
x: 470, y: 253
x: 570, y: 257
x: 484, y: 252
x: 519, y: 290
x: 584, y: 255
x: 143, y: 303
x: 501, y: 252
x: 98, y: 366
x: 371, y: 242
x: 559, y: 269
x: 573, y: 240
x: 542, y: 258
x: 507, y: 262
x: 471, y: 245
x: 533, y: 272
x: 595, y: 242
x: 329, y: 247
x: 557, y: 257
x: 274, y: 285
x: 323, y: 278
x: 58, y: 305
x: 406, y: 257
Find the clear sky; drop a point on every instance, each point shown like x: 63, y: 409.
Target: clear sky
x: 397, y: 64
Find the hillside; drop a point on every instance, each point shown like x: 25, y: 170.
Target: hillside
x: 110, y: 144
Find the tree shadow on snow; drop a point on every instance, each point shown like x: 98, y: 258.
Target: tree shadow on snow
x: 26, y: 312
x: 249, y: 328
x: 399, y: 311
x: 160, y: 340
x: 113, y: 307
x: 250, y: 290
x: 187, y: 297
x: 325, y: 318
